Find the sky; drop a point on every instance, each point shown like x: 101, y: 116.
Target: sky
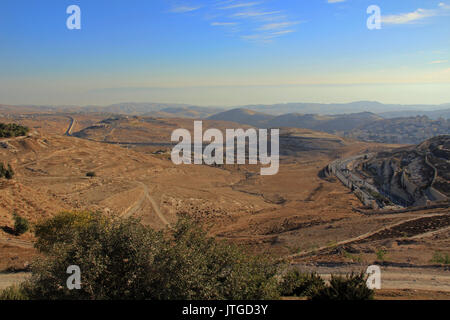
x: 224, y: 52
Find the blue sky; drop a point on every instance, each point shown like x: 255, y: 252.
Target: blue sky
x: 224, y: 52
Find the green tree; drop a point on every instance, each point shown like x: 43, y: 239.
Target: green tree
x: 123, y: 259
x: 12, y: 130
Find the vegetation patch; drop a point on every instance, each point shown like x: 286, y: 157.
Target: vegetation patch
x: 123, y: 259
x: 12, y: 130
x: 6, y: 171
x: 295, y: 283
x: 441, y: 258
x: 351, y: 287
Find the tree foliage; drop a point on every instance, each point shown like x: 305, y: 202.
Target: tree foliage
x: 350, y: 287
x: 123, y: 259
x: 295, y: 283
x: 12, y: 130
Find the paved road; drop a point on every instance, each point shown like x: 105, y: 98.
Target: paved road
x: 342, y: 169
x: 71, y: 126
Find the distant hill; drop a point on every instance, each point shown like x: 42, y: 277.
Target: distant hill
x: 244, y: 116
x: 435, y: 115
x: 365, y: 126
x: 155, y: 109
x: 191, y: 111
x: 341, y: 108
x: 410, y: 130
x: 330, y: 123
x: 184, y: 112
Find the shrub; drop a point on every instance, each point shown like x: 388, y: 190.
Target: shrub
x: 14, y: 292
x: 21, y: 224
x: 6, y: 172
x: 61, y: 228
x: 295, y: 283
x: 440, y: 258
x: 123, y: 259
x: 12, y: 130
x: 350, y: 287
x: 381, y: 254
x: 197, y: 267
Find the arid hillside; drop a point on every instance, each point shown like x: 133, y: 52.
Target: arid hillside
x: 416, y: 174
x: 296, y: 213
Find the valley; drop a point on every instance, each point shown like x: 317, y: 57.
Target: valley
x: 314, y: 221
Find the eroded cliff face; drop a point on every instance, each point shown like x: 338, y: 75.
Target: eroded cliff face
x: 416, y: 174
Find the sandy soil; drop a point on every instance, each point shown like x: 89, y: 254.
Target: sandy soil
x: 296, y: 214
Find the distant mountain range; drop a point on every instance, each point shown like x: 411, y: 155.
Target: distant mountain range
x: 436, y: 114
x: 192, y: 111
x: 363, y: 120
x: 330, y: 123
x: 341, y: 108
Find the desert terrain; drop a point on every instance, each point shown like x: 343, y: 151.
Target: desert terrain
x: 312, y: 220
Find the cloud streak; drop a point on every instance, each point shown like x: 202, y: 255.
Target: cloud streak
x: 252, y: 19
x: 184, y: 9
x: 415, y: 16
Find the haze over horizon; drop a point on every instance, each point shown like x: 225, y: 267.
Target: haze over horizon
x: 224, y: 52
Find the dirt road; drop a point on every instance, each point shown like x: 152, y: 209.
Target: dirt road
x: 138, y: 204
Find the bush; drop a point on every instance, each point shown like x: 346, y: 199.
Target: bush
x: 14, y: 292
x: 21, y: 224
x: 351, y: 287
x: 295, y: 283
x: 441, y: 258
x: 381, y: 254
x: 6, y: 172
x: 12, y: 130
x: 123, y: 259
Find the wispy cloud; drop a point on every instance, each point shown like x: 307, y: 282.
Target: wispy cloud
x: 276, y: 26
x: 415, y: 16
x: 438, y: 61
x: 409, y: 17
x: 444, y: 6
x: 240, y: 5
x: 223, y: 24
x: 254, y: 14
x: 184, y: 9
x: 336, y: 1
x: 251, y: 20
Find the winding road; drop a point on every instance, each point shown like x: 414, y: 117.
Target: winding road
x: 71, y: 126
